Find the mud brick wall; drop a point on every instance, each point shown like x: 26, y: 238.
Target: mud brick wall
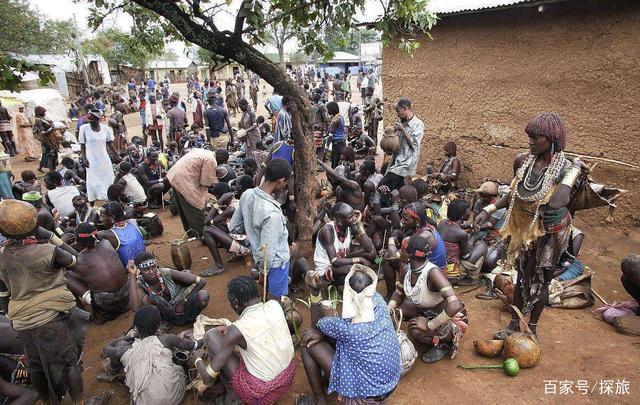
x: 484, y: 75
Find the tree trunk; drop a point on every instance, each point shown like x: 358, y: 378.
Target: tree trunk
x: 283, y: 64
x: 305, y: 162
x: 232, y: 47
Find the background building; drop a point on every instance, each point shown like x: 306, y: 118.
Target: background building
x: 176, y: 70
x: 69, y: 78
x: 341, y: 62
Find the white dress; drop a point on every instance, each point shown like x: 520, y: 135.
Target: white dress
x: 100, y: 171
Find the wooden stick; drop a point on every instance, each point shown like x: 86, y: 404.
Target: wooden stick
x: 384, y: 239
x: 264, y: 282
x: 522, y: 320
x: 599, y: 296
x: 618, y: 162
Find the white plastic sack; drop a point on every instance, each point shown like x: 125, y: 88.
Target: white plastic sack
x: 408, y: 352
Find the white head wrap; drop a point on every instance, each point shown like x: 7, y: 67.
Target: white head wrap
x: 359, y: 306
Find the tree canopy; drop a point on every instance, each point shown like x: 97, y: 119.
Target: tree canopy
x: 121, y: 48
x: 278, y: 35
x: 351, y: 41
x: 26, y: 31
x: 206, y: 23
x: 254, y: 21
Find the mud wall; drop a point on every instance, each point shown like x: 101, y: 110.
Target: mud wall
x: 484, y: 75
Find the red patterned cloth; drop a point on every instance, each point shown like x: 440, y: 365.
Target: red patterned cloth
x: 453, y: 252
x: 318, y: 138
x: 254, y: 391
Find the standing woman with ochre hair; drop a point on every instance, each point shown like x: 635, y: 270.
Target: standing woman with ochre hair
x: 537, y: 221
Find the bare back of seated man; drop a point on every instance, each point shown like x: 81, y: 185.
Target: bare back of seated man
x: 99, y: 277
x: 100, y: 268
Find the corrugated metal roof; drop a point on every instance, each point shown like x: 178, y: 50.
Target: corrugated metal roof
x: 457, y: 6
x: 452, y: 7
x: 180, y: 63
x: 64, y: 62
x: 342, y: 57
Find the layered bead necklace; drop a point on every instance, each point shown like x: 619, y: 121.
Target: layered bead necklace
x: 546, y: 180
x: 447, y: 164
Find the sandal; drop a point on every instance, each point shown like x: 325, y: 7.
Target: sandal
x: 304, y: 399
x: 437, y: 353
x: 467, y: 282
x: 504, y: 333
x: 212, y: 271
x: 110, y: 375
x: 235, y: 259
x: 487, y: 295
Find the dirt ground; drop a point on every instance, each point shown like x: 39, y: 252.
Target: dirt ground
x: 575, y: 346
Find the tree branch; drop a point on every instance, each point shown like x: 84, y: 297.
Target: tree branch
x: 100, y: 19
x: 197, y: 12
x: 283, y: 14
x: 237, y: 31
x: 191, y: 30
x: 384, y: 8
x: 217, y: 66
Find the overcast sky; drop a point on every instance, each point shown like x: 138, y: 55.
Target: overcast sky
x: 66, y: 9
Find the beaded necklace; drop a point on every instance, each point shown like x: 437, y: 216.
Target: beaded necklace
x: 415, y: 290
x: 527, y: 183
x: 150, y: 290
x: 81, y: 219
x: 447, y: 164
x: 547, y: 177
x: 544, y: 184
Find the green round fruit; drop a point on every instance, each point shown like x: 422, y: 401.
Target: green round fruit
x: 511, y: 367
